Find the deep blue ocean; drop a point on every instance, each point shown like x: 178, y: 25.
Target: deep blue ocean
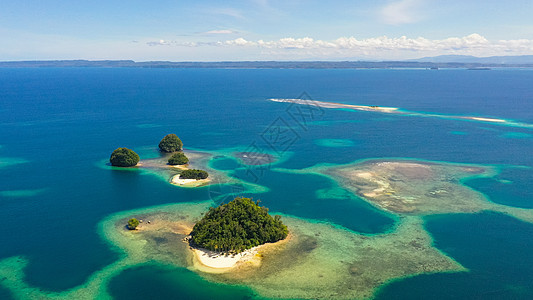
x: 59, y: 126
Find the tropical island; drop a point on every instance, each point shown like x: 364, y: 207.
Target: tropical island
x: 170, y: 143
x: 178, y: 158
x: 226, y: 236
x: 236, y: 226
x: 124, y: 157
x: 316, y: 260
x: 194, y: 174
x: 232, y: 233
x: 133, y: 223
x: 190, y: 178
x: 172, y: 162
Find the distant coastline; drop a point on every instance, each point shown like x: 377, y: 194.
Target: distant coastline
x: 259, y: 64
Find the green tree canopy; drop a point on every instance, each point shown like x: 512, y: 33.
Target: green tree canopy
x: 239, y: 225
x: 170, y: 143
x: 178, y: 158
x: 124, y: 157
x: 133, y: 223
x: 194, y: 174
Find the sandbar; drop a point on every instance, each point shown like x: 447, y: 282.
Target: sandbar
x: 486, y: 119
x: 188, y: 182
x: 197, y: 160
x: 395, y: 110
x: 339, y: 105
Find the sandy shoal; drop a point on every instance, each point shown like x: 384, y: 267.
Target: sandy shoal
x: 487, y: 119
x: 188, y: 182
x: 216, y: 262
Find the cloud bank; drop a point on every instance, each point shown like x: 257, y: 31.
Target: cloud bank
x: 473, y: 44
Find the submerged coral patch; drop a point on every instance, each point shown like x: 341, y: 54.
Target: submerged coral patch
x: 21, y: 193
x: 10, y: 161
x: 414, y: 187
x: 517, y: 135
x: 334, y: 143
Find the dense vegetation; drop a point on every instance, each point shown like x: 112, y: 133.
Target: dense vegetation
x: 170, y: 143
x: 194, y: 174
x: 178, y: 158
x: 133, y: 223
x: 239, y: 225
x: 124, y: 157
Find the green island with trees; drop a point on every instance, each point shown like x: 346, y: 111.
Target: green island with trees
x: 133, y: 223
x: 178, y: 158
x: 194, y: 174
x: 124, y: 157
x: 170, y: 143
x: 236, y: 226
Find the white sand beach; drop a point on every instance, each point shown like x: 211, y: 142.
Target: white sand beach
x: 216, y: 262
x: 487, y: 119
x: 188, y: 182
x: 338, y: 105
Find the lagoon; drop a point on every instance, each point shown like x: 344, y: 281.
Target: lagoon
x: 59, y: 125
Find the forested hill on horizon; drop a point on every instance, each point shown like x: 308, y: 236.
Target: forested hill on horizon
x: 443, y: 61
x: 521, y: 59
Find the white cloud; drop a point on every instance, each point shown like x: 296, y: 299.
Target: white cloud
x: 401, y: 12
x: 237, y: 42
x: 159, y: 43
x: 377, y: 47
x: 473, y: 41
x: 418, y: 44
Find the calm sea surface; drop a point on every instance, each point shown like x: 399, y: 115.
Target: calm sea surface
x: 59, y: 126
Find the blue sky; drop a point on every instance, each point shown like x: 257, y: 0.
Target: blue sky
x: 262, y: 29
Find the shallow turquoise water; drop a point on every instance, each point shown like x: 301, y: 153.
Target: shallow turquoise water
x: 223, y: 163
x: 299, y: 199
x: 58, y: 127
x: 335, y: 143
